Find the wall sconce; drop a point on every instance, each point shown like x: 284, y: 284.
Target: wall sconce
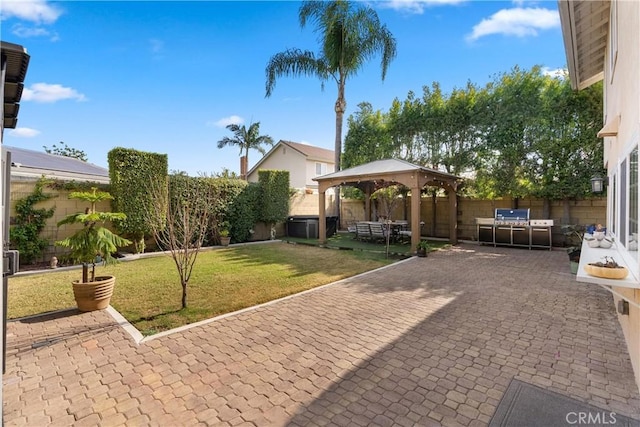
x: 623, y: 307
x: 597, y: 184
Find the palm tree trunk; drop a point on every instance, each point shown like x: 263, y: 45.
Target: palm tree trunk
x: 340, y: 107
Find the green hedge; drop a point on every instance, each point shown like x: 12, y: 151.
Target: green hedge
x: 131, y: 171
x: 274, y: 195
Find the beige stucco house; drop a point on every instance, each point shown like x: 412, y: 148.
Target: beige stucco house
x: 602, y: 42
x: 304, y: 162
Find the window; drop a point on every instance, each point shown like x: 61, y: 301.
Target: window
x: 321, y: 169
x: 633, y: 200
x: 623, y: 203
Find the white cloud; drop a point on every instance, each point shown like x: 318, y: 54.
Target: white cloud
x: 24, y: 132
x: 415, y: 6
x: 46, y: 93
x: 27, y: 32
x: 555, y: 73
x: 225, y: 121
x: 38, y: 11
x: 520, y: 22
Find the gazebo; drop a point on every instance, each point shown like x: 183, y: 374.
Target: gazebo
x: 372, y: 176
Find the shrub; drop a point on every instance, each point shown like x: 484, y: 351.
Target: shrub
x: 130, y: 172
x: 29, y: 223
x: 274, y: 195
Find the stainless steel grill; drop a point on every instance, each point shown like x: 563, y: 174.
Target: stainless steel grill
x: 511, y: 217
x: 513, y: 227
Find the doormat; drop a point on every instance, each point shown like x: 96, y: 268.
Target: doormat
x: 526, y: 405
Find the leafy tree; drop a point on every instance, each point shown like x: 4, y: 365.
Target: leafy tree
x: 368, y: 138
x: 246, y: 139
x: 66, y: 151
x: 349, y: 35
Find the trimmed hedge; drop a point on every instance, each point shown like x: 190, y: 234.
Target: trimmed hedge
x: 274, y: 195
x: 130, y: 172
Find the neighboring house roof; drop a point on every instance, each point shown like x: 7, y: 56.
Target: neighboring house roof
x: 17, y: 62
x: 585, y: 30
x: 29, y: 164
x: 309, y: 151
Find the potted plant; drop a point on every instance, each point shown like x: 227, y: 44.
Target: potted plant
x: 573, y: 236
x: 423, y: 248
x: 91, y: 244
x: 608, y: 269
x: 225, y: 239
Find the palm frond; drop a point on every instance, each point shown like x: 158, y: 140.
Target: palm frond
x: 294, y: 63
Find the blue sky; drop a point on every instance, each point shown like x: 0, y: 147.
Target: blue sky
x: 168, y: 76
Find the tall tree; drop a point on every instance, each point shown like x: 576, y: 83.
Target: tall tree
x: 349, y: 34
x: 246, y: 139
x: 66, y: 151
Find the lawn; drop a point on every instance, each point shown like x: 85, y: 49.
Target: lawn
x: 347, y: 241
x: 148, y: 290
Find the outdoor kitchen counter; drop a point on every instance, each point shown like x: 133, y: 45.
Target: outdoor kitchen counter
x: 536, y: 233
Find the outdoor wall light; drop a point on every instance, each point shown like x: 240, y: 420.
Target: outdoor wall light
x: 597, y: 184
x: 623, y: 307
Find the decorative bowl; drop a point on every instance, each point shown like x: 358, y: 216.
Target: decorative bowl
x: 606, y: 243
x: 598, y: 235
x: 594, y: 243
x: 606, y: 272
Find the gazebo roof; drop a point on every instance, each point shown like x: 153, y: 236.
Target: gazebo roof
x: 389, y: 171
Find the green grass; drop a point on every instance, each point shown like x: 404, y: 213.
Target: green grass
x: 347, y: 241
x: 148, y: 291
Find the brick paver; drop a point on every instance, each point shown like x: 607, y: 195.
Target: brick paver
x: 431, y: 341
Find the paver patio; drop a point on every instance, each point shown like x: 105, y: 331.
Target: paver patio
x: 430, y: 341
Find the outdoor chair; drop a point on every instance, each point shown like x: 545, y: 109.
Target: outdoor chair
x: 352, y: 228
x: 362, y: 231
x: 378, y: 231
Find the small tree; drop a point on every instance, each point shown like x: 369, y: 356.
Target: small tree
x: 189, y: 208
x: 93, y: 239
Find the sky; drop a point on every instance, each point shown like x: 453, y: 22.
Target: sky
x: 167, y: 77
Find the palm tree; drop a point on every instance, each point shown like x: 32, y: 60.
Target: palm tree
x: 246, y: 139
x: 349, y: 35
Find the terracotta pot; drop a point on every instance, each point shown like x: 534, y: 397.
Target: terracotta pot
x: 94, y: 295
x: 224, y: 241
x: 605, y: 272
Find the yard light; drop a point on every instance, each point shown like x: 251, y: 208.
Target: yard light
x: 597, y: 184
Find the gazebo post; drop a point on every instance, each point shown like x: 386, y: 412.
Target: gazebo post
x: 322, y: 215
x: 367, y: 203
x: 415, y: 218
x: 453, y: 216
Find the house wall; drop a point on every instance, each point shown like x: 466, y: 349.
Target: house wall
x: 285, y: 158
x: 311, y: 171
x: 622, y: 97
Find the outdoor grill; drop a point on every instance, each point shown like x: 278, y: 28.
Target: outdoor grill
x: 513, y: 227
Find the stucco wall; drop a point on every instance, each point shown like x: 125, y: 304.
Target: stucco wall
x: 622, y: 97
x: 285, y: 158
x: 311, y: 171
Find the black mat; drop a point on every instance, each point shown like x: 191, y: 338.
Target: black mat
x: 526, y: 405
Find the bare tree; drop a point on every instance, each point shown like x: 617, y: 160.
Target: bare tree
x: 189, y: 204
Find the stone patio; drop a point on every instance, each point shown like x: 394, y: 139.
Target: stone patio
x: 430, y: 341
